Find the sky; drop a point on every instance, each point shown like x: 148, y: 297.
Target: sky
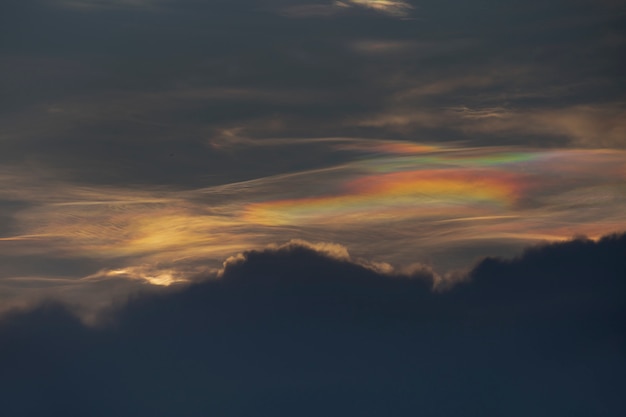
x: 147, y: 146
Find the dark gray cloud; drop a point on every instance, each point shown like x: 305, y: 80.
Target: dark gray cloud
x: 294, y: 331
x: 86, y: 78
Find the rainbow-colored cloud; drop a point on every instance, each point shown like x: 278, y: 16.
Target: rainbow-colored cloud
x: 395, y: 202
x: 388, y: 195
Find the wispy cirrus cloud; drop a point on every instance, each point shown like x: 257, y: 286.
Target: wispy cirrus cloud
x: 392, y: 8
x: 396, y: 8
x: 422, y: 201
x: 599, y: 126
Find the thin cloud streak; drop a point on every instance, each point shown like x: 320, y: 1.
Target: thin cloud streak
x: 396, y: 8
x: 598, y: 126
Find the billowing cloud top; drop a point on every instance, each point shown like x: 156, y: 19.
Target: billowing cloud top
x: 304, y: 330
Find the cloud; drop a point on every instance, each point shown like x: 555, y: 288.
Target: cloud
x: 443, y: 206
x: 120, y: 94
x: 95, y: 5
x: 590, y: 126
x: 147, y: 141
x: 586, y: 126
x: 290, y: 331
x: 396, y: 8
x: 393, y: 8
x: 327, y: 249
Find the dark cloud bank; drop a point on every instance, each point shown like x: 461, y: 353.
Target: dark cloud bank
x: 292, y: 332
x: 105, y: 91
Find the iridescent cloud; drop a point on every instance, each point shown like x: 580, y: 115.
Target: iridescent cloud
x: 383, y: 196
x: 394, y: 202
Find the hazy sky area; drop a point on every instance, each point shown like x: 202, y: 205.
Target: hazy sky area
x: 299, y: 208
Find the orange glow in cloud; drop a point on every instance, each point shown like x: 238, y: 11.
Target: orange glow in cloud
x: 389, y: 195
x: 465, y: 184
